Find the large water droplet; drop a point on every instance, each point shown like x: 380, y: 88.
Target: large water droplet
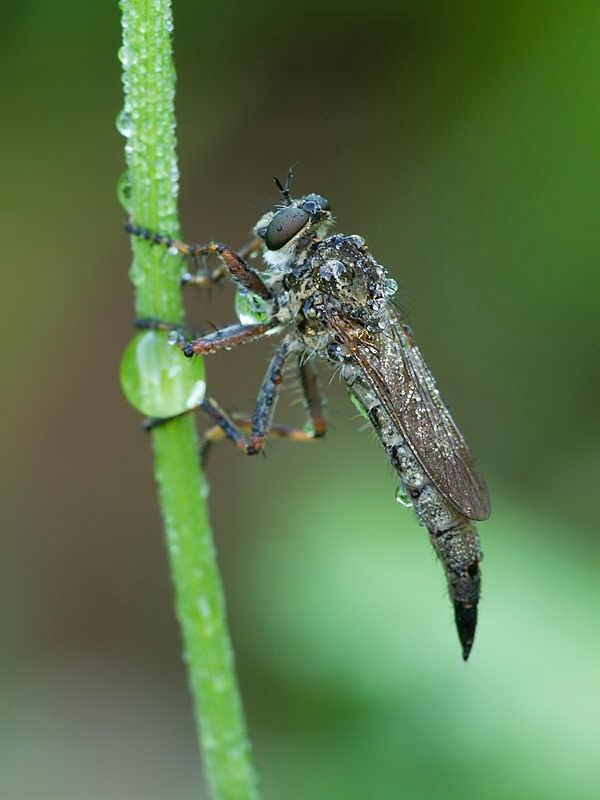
x: 157, y: 379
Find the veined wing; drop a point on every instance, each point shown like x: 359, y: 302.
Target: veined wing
x: 394, y: 368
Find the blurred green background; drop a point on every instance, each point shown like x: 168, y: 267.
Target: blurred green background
x: 461, y: 140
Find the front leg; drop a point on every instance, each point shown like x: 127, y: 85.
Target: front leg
x: 230, y: 261
x: 221, y: 339
x: 256, y: 424
x: 225, y: 338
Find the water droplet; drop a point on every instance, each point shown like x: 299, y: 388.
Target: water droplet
x: 124, y: 191
x: 357, y: 404
x: 402, y: 497
x: 251, y: 309
x: 205, y: 608
x: 332, y: 268
x: 357, y: 241
x: 157, y: 379
x: 390, y: 286
x: 123, y: 122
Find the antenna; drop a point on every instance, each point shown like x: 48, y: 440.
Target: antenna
x: 285, y: 189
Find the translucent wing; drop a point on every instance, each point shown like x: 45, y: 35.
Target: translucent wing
x: 394, y: 368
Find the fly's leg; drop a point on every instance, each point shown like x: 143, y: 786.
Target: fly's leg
x: 233, y: 262
x: 239, y: 269
x: 190, y: 251
x: 314, y: 401
x: 267, y: 397
x: 224, y: 338
x: 262, y: 419
x: 211, y: 343
x: 230, y: 261
x: 220, y: 339
x: 251, y: 248
x: 261, y: 424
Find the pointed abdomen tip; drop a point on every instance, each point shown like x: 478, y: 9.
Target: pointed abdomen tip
x: 466, y: 622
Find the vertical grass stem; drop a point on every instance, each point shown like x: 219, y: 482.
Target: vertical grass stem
x: 149, y: 192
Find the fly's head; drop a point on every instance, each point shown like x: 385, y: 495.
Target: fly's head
x: 288, y: 231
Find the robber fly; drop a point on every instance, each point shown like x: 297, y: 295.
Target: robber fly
x: 331, y: 299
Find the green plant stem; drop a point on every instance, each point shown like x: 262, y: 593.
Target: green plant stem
x: 148, y: 122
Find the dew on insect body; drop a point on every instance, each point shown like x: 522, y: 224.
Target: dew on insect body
x: 356, y: 240
x: 251, y: 309
x: 357, y: 404
x: 402, y: 497
x: 332, y: 269
x: 390, y: 286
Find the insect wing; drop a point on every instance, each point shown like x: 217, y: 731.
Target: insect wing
x: 395, y: 369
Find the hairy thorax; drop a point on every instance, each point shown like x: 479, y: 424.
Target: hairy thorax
x: 337, y: 280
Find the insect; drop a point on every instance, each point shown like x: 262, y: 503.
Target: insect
x: 332, y: 300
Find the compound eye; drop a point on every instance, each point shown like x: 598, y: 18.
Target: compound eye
x: 284, y: 226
